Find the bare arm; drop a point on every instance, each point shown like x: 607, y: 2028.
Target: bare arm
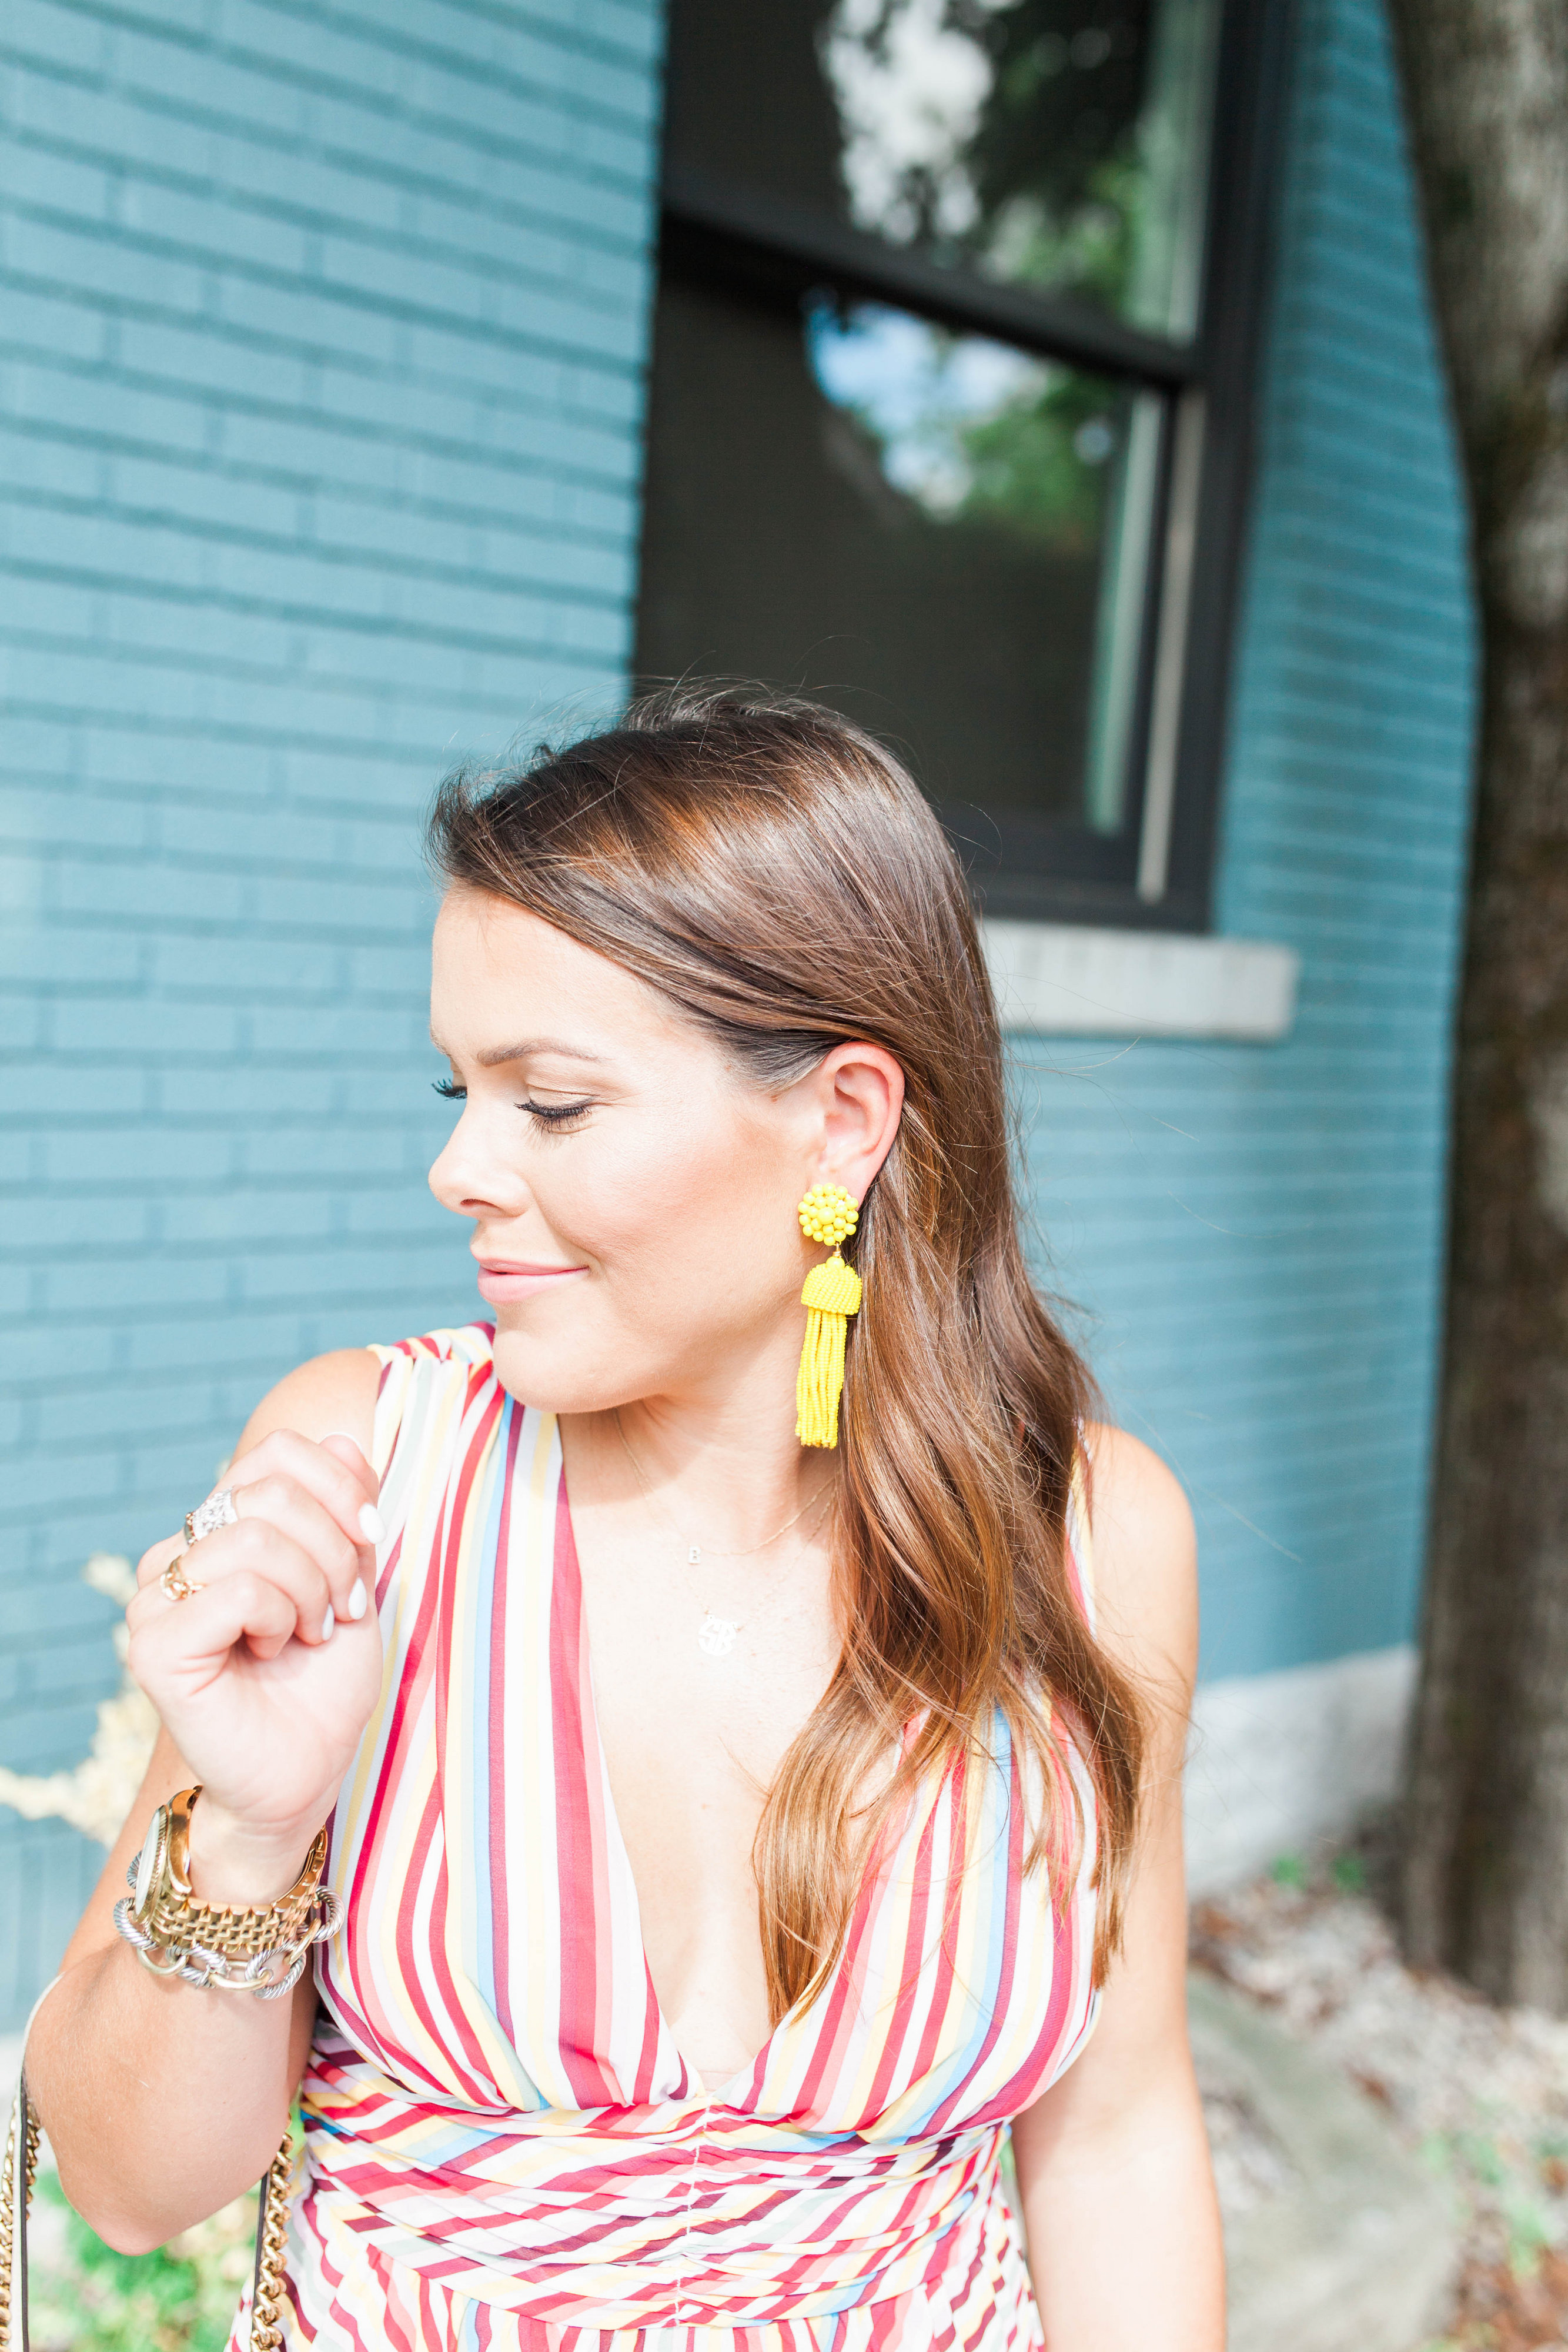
x: 163, y: 2101
x: 1113, y: 2163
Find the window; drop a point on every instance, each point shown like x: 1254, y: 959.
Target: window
x: 951, y: 389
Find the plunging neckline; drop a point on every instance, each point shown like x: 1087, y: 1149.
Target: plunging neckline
x: 487, y: 2031
x: 694, y: 2091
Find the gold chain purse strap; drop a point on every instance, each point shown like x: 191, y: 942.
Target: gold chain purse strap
x: 17, y: 2178
x: 271, y: 2239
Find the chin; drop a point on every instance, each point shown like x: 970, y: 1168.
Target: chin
x: 548, y: 1376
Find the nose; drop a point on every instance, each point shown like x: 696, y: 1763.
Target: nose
x: 471, y: 1178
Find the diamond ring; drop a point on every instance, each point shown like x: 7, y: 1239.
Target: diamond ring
x: 217, y: 1511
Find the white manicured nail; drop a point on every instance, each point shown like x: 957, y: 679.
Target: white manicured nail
x: 357, y: 1599
x: 371, y: 1525
x: 327, y: 1625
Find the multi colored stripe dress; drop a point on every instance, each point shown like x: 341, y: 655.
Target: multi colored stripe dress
x: 504, y: 2147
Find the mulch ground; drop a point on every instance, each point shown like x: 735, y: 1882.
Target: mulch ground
x: 1479, y: 2095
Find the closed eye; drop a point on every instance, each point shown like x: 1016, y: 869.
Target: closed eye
x: 559, y: 1118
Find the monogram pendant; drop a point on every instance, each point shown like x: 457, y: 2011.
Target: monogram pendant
x: 715, y: 1635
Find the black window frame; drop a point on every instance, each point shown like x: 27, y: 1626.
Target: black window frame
x: 1157, y: 874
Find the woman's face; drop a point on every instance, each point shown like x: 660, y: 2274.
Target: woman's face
x: 633, y: 1199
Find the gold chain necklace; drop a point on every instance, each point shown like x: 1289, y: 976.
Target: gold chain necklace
x: 716, y: 1634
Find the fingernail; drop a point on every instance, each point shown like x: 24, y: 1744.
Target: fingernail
x: 371, y: 1525
x: 357, y: 1599
x: 327, y: 1625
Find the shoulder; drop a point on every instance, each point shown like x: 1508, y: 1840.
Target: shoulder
x: 1145, y: 1559
x: 340, y: 1391
x: 332, y: 1392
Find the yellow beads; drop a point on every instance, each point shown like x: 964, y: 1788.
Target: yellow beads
x: 829, y: 1215
x: 831, y: 1295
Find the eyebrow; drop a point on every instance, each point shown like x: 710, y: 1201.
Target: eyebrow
x: 524, y: 1051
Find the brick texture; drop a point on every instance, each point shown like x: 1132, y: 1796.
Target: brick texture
x: 1256, y: 1231
x: 320, y: 405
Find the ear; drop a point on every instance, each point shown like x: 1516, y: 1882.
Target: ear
x: 859, y: 1101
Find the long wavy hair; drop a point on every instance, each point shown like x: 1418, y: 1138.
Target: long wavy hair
x: 773, y: 873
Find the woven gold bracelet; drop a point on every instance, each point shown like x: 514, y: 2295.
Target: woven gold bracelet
x: 262, y: 1951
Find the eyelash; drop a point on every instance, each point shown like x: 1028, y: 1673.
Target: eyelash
x: 558, y: 1119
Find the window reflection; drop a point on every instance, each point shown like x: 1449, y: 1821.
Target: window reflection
x: 1059, y: 143
x: 970, y: 430
x: 950, y: 534
x: 975, y: 433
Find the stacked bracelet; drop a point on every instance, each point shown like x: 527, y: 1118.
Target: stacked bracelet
x: 261, y: 1950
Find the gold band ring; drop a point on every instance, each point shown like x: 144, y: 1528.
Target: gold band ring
x: 175, y: 1585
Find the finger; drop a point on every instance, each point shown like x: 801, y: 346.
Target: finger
x: 191, y: 1640
x: 254, y: 1547
x: 294, y: 1511
x: 348, y: 1450
x: 334, y: 1484
x: 352, y: 1454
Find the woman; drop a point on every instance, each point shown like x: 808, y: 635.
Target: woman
x: 696, y: 1991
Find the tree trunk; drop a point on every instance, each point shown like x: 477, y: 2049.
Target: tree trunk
x: 1486, y: 1876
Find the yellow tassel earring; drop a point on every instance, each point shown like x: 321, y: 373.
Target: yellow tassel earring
x: 831, y: 1295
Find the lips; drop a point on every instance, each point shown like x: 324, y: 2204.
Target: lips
x: 502, y: 1280
x: 522, y: 1266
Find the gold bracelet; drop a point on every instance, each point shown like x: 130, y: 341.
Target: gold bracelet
x: 261, y: 1950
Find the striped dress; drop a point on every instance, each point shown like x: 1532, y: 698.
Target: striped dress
x: 504, y: 2147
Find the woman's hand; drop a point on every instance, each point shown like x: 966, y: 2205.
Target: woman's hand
x: 266, y: 1677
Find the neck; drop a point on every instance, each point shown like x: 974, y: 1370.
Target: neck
x: 726, y: 1467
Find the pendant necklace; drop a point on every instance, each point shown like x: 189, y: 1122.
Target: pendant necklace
x: 716, y: 1634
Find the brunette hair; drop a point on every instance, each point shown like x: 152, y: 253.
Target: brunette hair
x: 774, y: 874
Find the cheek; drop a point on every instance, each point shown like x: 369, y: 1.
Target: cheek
x: 664, y: 1205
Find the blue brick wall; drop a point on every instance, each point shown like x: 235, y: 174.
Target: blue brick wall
x: 319, y: 395
x: 1256, y: 1231
x: 320, y: 403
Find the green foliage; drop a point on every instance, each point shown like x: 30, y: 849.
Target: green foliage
x: 1482, y: 2153
x: 181, y: 2299
x: 1058, y: 137
x: 1530, y: 2232
x: 1090, y: 245
x: 1037, y: 466
x: 1027, y: 471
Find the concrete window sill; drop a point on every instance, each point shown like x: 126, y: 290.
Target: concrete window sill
x: 1070, y: 980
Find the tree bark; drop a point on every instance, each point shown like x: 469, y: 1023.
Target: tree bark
x: 1485, y: 1886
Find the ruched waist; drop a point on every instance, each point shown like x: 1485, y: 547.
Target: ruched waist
x: 691, y: 2215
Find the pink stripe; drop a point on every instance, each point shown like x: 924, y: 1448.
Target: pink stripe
x: 580, y: 1826
x: 500, y: 1906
